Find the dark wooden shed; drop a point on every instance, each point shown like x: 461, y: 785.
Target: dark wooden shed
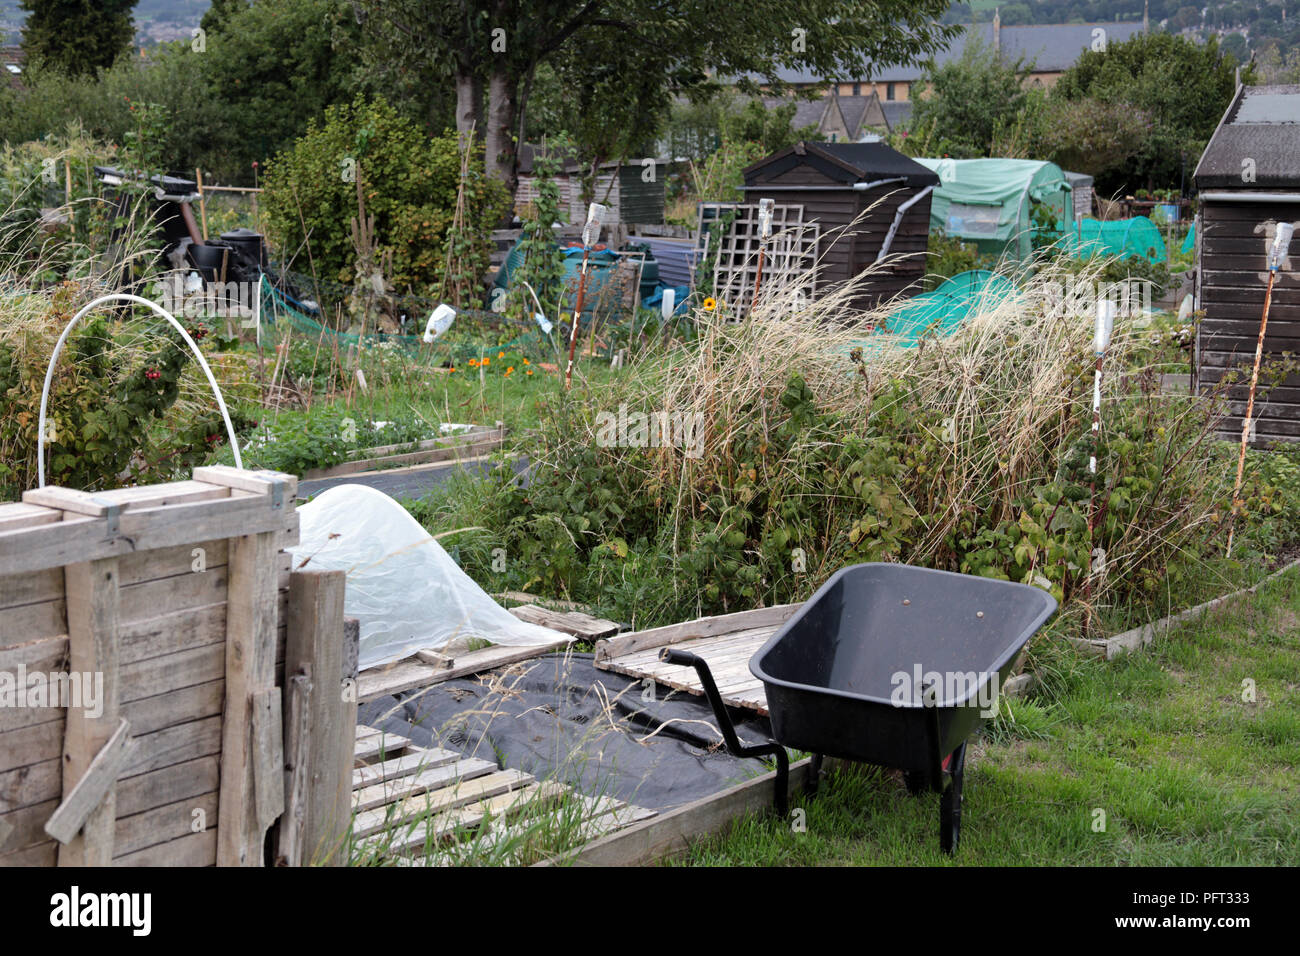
x: 1248, y: 181
x: 836, y: 183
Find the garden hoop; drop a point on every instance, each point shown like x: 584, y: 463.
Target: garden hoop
x: 58, y: 348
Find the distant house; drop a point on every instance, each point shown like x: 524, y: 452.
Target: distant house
x: 838, y: 118
x: 13, y: 59
x: 1053, y: 48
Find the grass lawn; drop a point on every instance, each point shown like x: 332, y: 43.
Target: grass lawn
x: 1185, y: 770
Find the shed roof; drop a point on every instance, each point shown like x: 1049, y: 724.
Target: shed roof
x: 847, y: 163
x: 1260, y: 132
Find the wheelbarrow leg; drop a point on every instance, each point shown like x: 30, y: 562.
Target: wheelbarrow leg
x: 814, y: 774
x: 950, y: 801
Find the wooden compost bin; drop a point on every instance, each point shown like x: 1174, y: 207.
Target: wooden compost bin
x: 177, y: 595
x: 865, y: 197
x: 1249, y: 181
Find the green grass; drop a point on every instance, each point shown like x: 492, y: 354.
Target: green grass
x: 1186, y: 771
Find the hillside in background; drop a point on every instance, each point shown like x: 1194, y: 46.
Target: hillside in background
x: 157, y: 21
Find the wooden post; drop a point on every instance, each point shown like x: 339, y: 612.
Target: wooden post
x: 203, y: 203
x: 314, y: 649
x: 248, y: 755
x: 92, y: 603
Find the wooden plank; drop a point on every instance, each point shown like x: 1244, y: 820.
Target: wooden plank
x: 93, y: 787
x: 195, y: 849
x: 171, y: 784
x: 34, y: 783
x: 250, y: 670
x: 268, y: 758
x: 702, y: 627
x: 291, y: 835
x: 184, y: 742
x: 408, y: 763
x: 431, y: 778
x: 92, y: 601
x: 672, y: 832
x: 446, y: 823
x: 15, y: 515
x: 403, y: 676
x: 476, y: 780
x: 43, y: 854
x: 379, y: 745
x: 164, y: 823
x: 33, y: 744
x: 87, y: 539
x: 314, y: 649
x: 479, y: 445
x: 257, y: 482
x: 582, y: 626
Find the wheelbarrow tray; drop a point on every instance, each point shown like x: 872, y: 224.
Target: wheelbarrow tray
x: 846, y: 676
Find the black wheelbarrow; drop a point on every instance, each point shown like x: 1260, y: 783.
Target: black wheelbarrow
x: 890, y: 665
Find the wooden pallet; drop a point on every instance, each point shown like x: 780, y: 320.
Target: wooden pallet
x: 406, y: 798
x: 426, y: 669
x: 726, y: 643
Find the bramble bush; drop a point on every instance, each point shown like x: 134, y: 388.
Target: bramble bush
x: 823, y: 447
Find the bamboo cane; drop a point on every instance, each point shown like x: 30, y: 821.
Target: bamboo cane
x: 590, y: 233
x: 1276, y: 255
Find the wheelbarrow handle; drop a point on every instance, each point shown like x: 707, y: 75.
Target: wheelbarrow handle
x: 686, y: 659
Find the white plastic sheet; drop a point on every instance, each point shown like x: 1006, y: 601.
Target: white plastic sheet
x: 402, y: 585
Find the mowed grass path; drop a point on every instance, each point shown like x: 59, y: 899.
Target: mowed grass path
x: 1186, y: 771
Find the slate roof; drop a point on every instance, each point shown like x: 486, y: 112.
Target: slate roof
x: 1054, y: 47
x: 1262, y: 124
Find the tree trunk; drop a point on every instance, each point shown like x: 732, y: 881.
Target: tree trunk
x: 498, y: 139
x: 469, y: 102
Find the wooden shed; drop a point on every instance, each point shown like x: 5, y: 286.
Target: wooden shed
x: 836, y: 183
x: 1248, y: 181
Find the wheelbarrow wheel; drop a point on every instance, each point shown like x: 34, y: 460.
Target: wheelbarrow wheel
x: 950, y: 802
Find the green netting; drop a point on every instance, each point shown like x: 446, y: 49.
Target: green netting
x: 1126, y: 238
x: 1190, y: 242
x: 279, y: 307
x: 940, y: 311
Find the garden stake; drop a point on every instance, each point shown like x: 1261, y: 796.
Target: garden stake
x: 1276, y: 255
x: 764, y: 233
x: 590, y: 233
x: 1100, y: 342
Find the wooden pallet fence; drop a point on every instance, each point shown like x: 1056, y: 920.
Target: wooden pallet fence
x: 140, y: 631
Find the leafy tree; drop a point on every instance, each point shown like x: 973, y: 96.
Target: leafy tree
x: 492, y: 49
x: 1090, y: 135
x: 410, y: 183
x: 1183, y: 86
x: 218, y: 16
x: 76, y: 36
x: 968, y: 100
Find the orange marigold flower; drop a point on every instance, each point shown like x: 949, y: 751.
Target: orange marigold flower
x: 486, y: 360
x: 501, y: 355
x: 710, y: 304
